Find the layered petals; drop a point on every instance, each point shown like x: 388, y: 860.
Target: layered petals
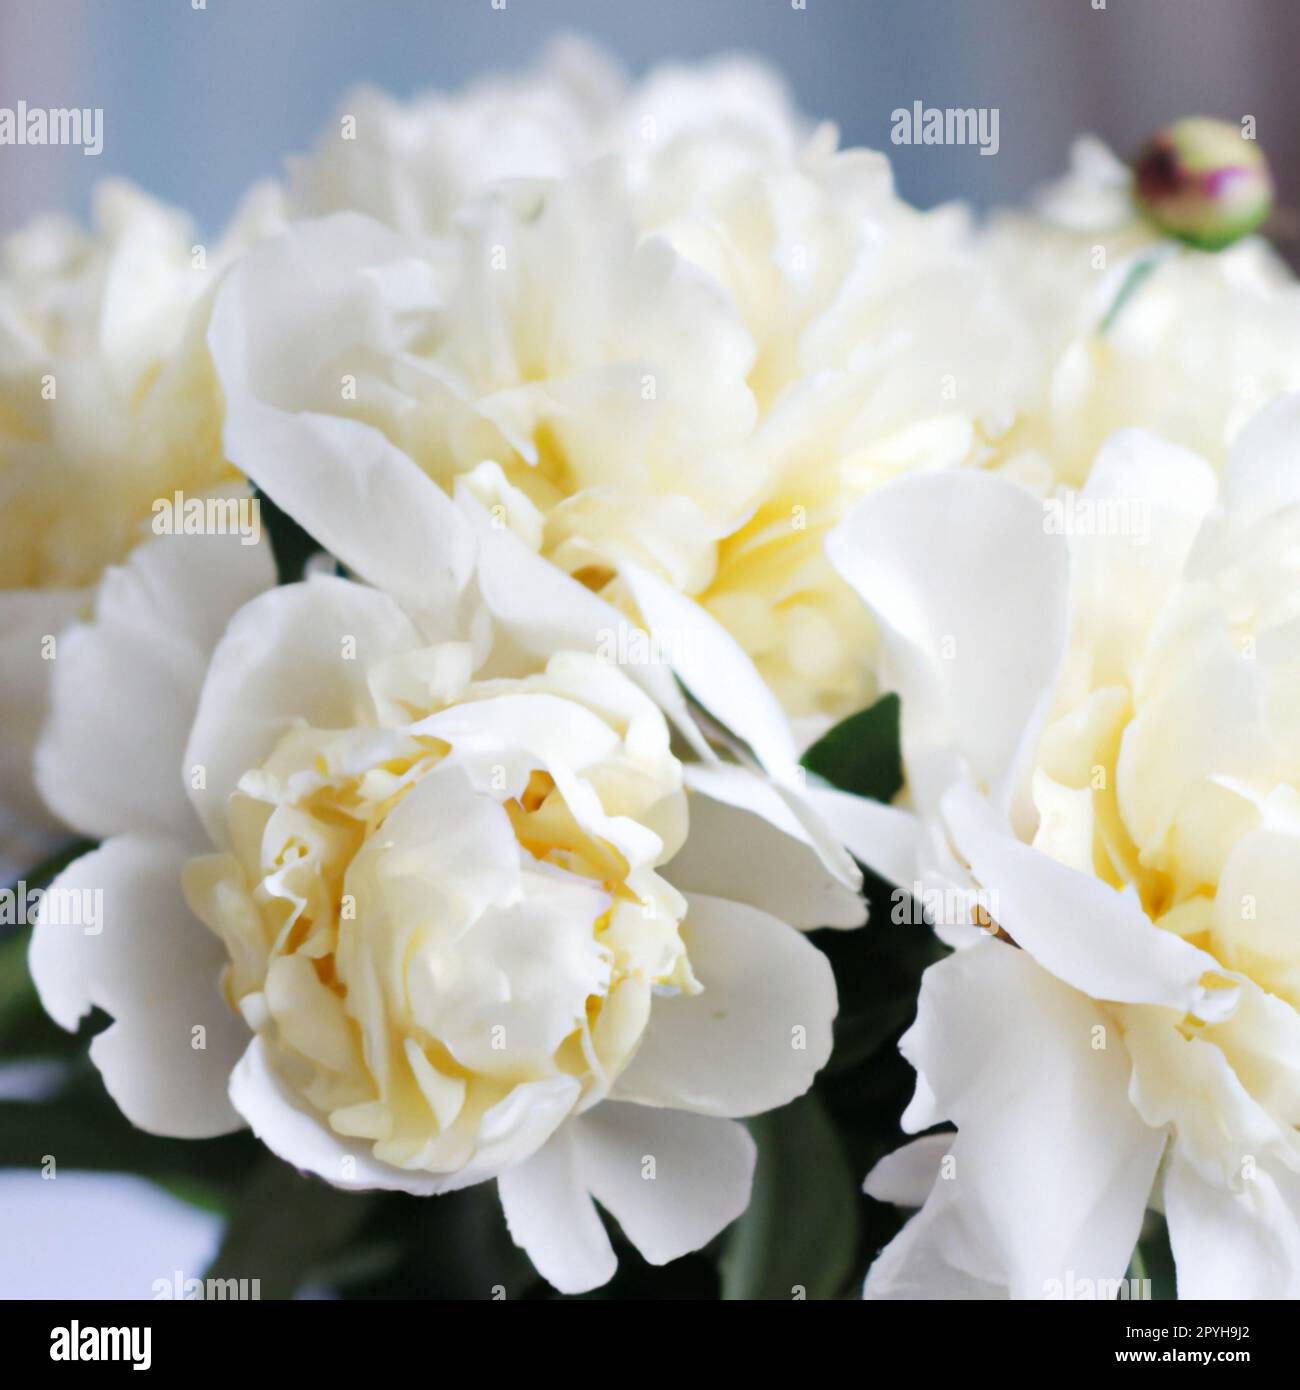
x: 1048, y: 1175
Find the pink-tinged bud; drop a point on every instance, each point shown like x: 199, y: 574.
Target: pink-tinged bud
x: 1202, y: 181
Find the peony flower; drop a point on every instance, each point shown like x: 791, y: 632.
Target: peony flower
x: 444, y: 903
x: 1199, y: 347
x: 667, y: 324
x: 1103, y: 751
x: 412, y: 165
x: 107, y: 404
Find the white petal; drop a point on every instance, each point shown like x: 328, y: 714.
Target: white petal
x: 1052, y: 1165
x: 27, y: 618
x: 936, y: 1256
x: 1084, y: 931
x: 1237, y: 1245
x: 715, y: 669
x: 886, y: 839
x: 1262, y: 475
x: 746, y: 844
x: 156, y: 969
x: 758, y: 1032
x: 341, y: 479
x: 544, y: 611
x: 971, y: 597
x: 126, y: 684
x: 1151, y: 499
x: 284, y: 660
x: 511, y: 1132
x: 699, y: 1181
x: 905, y: 1177
x: 551, y: 1216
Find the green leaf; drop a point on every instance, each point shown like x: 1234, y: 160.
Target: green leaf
x: 801, y: 1228
x: 82, y: 1128
x: 290, y: 544
x: 861, y: 754
x: 285, y: 1228
x: 454, y: 1246
x: 26, y: 1030
x: 80, y: 1138
x: 877, y: 976
x: 197, y: 1192
x: 1154, y: 1259
x: 17, y: 993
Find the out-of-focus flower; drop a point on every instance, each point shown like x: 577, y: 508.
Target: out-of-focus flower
x: 1102, y: 742
x: 411, y: 165
x: 471, y: 915
x: 1197, y: 349
x: 107, y: 404
x: 1202, y: 181
x: 414, y: 165
x: 666, y: 323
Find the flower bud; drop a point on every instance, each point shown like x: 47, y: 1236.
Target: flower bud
x: 1202, y: 181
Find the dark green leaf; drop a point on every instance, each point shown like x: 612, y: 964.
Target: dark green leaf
x: 285, y: 1228
x: 26, y: 1030
x: 861, y: 753
x: 1154, y: 1259
x: 800, y: 1231
x: 290, y: 544
x: 82, y: 1128
x: 455, y: 1246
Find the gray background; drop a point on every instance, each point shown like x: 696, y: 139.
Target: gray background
x: 199, y: 103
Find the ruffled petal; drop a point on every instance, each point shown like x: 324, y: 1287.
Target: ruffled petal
x: 299, y: 653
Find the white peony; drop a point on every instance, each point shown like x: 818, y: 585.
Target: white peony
x: 413, y: 165
x: 107, y: 404
x: 1204, y: 342
x: 1102, y: 737
x: 444, y: 904
x: 667, y: 324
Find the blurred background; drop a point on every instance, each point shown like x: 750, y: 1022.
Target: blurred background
x: 199, y: 102
x: 202, y: 97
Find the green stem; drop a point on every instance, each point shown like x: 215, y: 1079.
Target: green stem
x: 1132, y: 281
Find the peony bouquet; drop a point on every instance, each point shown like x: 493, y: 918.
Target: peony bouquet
x: 586, y: 651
